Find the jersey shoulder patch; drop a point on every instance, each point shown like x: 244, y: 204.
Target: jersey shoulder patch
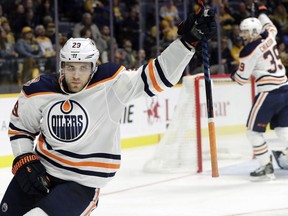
x: 248, y: 49
x: 43, y: 83
x: 105, y: 71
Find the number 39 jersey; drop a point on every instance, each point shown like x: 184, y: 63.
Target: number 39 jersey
x: 260, y: 58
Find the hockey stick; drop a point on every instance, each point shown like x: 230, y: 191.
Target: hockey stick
x: 253, y: 9
x: 209, y: 103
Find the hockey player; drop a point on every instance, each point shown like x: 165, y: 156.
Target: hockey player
x: 75, y: 115
x: 260, y: 58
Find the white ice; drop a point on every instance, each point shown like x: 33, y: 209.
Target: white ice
x: 136, y: 193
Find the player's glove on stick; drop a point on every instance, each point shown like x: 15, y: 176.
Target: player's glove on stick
x: 198, y: 26
x: 31, y: 174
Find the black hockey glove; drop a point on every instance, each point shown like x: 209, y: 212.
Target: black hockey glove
x: 198, y: 26
x: 233, y: 72
x: 260, y: 8
x: 31, y: 174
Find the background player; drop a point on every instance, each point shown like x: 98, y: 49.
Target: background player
x: 77, y: 116
x: 260, y: 58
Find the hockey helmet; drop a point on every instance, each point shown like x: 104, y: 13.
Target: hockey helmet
x: 252, y: 25
x: 80, y: 50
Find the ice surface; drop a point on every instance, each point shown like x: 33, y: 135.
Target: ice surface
x: 136, y: 193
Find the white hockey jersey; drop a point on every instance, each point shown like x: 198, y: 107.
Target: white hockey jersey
x: 79, y: 136
x: 261, y: 59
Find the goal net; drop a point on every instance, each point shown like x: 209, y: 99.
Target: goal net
x: 185, y: 144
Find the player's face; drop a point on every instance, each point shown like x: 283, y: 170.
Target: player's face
x: 244, y: 34
x: 77, y: 74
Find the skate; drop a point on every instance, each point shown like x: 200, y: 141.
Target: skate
x: 263, y: 173
x: 281, y: 158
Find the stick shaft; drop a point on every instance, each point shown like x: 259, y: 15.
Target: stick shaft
x: 213, y: 149
x: 209, y: 102
x: 210, y: 110
x: 253, y: 9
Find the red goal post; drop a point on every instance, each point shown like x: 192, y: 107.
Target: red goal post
x: 197, y: 80
x: 183, y: 146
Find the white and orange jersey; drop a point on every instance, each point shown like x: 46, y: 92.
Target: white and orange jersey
x: 79, y: 135
x: 260, y: 59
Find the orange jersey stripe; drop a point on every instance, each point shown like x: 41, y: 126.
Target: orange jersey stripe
x: 11, y: 132
x: 240, y: 81
x: 272, y: 80
x: 153, y: 78
x: 260, y: 149
x: 105, y: 80
x: 71, y: 163
x: 36, y: 94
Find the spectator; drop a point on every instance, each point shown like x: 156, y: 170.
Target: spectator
x: 7, y: 29
x: 29, y: 5
x: 107, y: 37
x: 281, y: 20
x: 118, y: 11
x: 47, y: 48
x: 42, y: 10
x: 150, y: 41
x: 226, y: 21
x: 237, y: 46
x: 18, y: 18
x: 2, y: 18
x: 86, y: 33
x: 86, y: 22
x: 46, y: 20
x: 169, y: 9
x: 141, y: 58
x: 7, y: 46
x: 283, y: 54
x: 50, y: 31
x: 111, y: 42
x: 70, y: 9
x: 169, y: 30
x: 130, y: 54
x: 120, y: 57
x: 10, y: 6
x: 7, y: 51
x: 131, y: 27
x: 30, y: 19
x: 9, y: 65
x: 44, y: 42
x: 90, y: 5
x: 235, y: 32
x: 29, y: 50
x: 227, y: 60
x: 117, y: 56
x: 241, y: 13
x: 27, y: 46
x: 62, y: 40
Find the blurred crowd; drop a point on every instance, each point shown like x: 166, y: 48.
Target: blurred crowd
x: 28, y: 34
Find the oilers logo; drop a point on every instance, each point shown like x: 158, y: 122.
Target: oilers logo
x: 67, y: 121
